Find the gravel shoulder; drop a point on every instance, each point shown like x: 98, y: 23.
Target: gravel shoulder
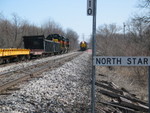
x: 65, y: 89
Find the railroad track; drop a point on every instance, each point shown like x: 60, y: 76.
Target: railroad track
x: 9, y: 79
x: 21, y: 61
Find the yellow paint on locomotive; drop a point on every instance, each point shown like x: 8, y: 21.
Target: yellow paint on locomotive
x: 83, y: 45
x: 55, y: 40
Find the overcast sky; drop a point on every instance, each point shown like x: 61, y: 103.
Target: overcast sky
x: 70, y: 13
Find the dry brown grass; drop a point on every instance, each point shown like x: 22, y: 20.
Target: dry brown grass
x: 124, y: 77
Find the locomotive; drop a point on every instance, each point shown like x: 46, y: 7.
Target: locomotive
x: 41, y: 46
x: 83, y: 46
x: 36, y: 46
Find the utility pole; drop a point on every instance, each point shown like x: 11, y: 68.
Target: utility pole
x: 124, y: 30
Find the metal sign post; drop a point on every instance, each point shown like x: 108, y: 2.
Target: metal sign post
x: 91, y: 11
x: 93, y: 54
x: 149, y: 89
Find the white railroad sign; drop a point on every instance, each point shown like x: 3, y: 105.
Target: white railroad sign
x: 121, y: 61
x: 89, y: 7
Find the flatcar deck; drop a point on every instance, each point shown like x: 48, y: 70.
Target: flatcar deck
x: 13, y: 52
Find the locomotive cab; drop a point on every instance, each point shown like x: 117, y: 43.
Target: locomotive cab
x: 54, y: 38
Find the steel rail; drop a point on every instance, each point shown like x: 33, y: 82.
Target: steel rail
x: 36, y: 70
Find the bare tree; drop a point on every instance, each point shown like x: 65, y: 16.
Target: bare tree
x: 5, y: 31
x: 144, y: 3
x: 51, y: 27
x: 73, y: 37
x: 136, y: 27
x: 12, y: 31
x: 107, y: 35
x: 16, y: 22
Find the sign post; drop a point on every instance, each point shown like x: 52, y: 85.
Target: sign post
x: 149, y: 88
x: 91, y: 11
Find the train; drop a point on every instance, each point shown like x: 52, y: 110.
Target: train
x: 83, y: 46
x: 36, y: 46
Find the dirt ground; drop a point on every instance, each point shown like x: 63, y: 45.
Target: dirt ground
x: 125, y: 77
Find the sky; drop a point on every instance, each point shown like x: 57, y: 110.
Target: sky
x: 70, y: 13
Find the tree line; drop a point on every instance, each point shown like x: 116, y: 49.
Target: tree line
x: 11, y: 31
x: 130, y: 39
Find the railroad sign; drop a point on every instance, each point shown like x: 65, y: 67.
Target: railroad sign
x: 89, y: 7
x: 121, y: 61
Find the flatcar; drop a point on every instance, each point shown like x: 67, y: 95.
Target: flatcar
x: 11, y: 54
x: 83, y: 46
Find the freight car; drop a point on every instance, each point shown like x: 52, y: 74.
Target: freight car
x: 41, y: 46
x: 11, y: 54
x: 83, y: 46
x: 36, y: 46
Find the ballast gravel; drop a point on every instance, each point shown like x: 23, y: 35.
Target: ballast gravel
x: 63, y: 90
x: 29, y: 63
